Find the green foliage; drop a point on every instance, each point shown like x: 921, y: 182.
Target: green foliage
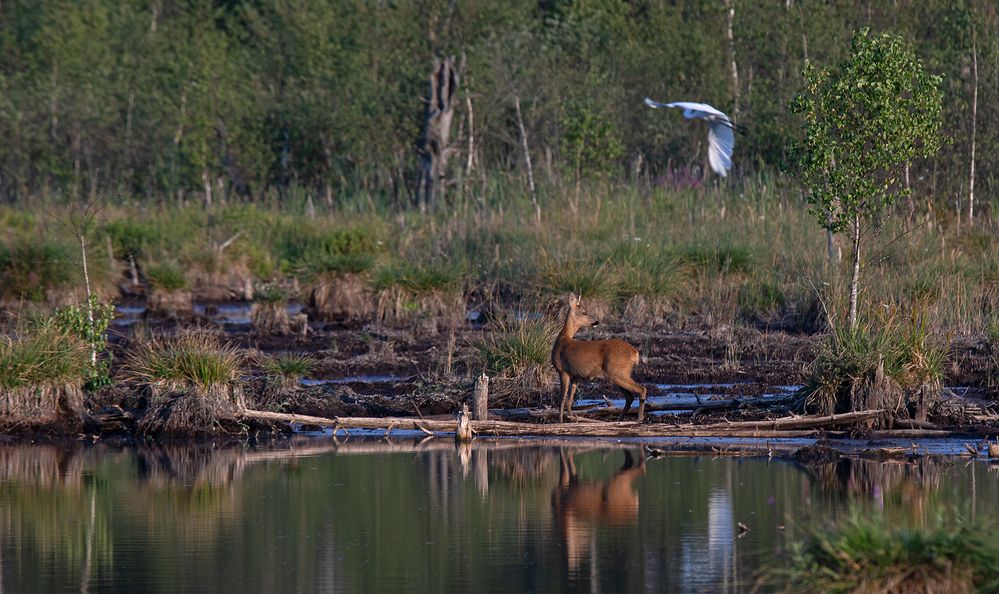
x: 761, y: 298
x: 191, y: 358
x: 29, y: 267
x: 130, y: 237
x: 166, y: 277
x: 584, y: 276
x: 864, y: 554
x: 45, y: 355
x: 75, y: 320
x: 878, y: 112
x: 590, y: 140
x: 312, y: 252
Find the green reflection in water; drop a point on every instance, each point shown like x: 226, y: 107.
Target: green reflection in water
x: 371, y: 516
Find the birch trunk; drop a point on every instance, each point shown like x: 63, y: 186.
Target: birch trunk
x: 855, y: 278
x: 974, y: 122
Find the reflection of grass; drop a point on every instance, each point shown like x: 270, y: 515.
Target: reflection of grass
x: 861, y: 555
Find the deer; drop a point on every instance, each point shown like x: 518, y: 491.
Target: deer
x: 610, y: 359
x: 581, y: 507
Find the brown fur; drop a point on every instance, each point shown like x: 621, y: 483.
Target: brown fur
x: 611, y: 359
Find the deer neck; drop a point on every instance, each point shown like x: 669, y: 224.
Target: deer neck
x: 569, y: 329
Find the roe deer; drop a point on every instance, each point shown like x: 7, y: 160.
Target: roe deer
x: 580, y: 507
x: 612, y: 359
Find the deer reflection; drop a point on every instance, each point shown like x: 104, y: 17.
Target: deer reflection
x: 581, y: 507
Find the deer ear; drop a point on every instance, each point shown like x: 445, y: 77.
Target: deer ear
x: 573, y: 300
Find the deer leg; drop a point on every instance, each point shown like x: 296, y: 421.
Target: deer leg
x: 572, y: 394
x: 628, y: 399
x: 630, y: 385
x: 565, y: 381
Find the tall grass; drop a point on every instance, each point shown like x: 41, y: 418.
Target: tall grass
x: 863, y: 554
x: 748, y: 252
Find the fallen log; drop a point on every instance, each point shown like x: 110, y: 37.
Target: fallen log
x: 783, y: 427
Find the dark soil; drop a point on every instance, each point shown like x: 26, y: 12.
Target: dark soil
x: 381, y: 371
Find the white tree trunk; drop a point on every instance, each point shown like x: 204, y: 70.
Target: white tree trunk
x: 527, y: 158
x: 730, y: 37
x: 974, y: 122
x: 855, y: 278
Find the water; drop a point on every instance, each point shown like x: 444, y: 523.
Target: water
x: 235, y: 313
x: 372, y: 515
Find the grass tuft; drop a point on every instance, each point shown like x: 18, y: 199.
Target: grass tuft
x: 865, y: 555
x: 189, y: 359
x: 43, y: 356
x: 288, y: 368
x: 877, y: 365
x: 518, y: 354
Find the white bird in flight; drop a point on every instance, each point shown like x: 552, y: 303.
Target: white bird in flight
x: 721, y: 139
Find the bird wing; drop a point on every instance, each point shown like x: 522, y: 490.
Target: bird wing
x: 697, y: 110
x: 655, y: 104
x: 721, y: 143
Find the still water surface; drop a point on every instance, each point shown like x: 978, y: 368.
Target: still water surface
x: 370, y: 516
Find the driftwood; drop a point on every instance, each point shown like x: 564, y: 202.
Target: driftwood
x: 803, y: 426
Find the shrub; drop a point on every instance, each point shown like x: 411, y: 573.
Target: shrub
x: 74, y: 319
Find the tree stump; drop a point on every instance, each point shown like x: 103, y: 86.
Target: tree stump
x: 481, y: 398
x: 464, y: 431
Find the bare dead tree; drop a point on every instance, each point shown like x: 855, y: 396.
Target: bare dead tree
x: 435, y: 146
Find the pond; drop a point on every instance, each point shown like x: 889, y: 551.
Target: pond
x: 373, y: 515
